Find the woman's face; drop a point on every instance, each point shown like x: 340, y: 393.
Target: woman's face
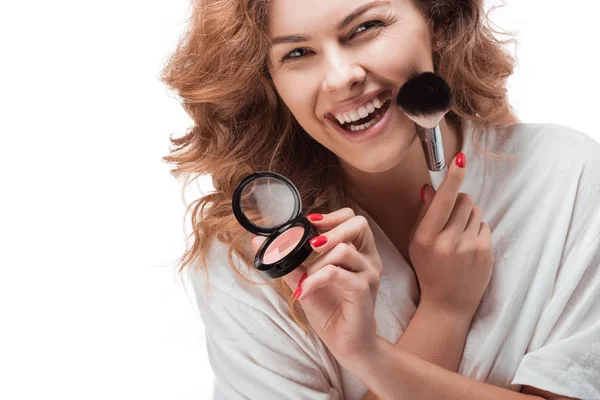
x: 339, y: 61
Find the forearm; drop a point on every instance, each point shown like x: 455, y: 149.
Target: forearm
x: 434, y: 336
x: 388, y: 372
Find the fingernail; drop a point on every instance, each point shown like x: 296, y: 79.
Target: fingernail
x: 298, y: 291
x: 318, y: 241
x: 461, y: 160
x: 315, y: 217
x: 302, y: 278
x: 423, y: 193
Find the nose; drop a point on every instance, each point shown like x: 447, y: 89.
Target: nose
x: 342, y: 73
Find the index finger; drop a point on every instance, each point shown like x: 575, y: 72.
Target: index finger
x: 355, y: 231
x: 443, y: 202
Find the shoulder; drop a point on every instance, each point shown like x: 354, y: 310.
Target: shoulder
x: 548, y: 153
x: 563, y: 154
x: 552, y: 172
x: 248, y: 326
x: 539, y: 139
x: 224, y: 281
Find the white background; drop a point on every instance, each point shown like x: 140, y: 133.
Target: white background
x: 91, y: 222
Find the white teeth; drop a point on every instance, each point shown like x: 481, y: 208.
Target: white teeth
x: 362, y: 111
x: 373, y: 121
x: 364, y: 126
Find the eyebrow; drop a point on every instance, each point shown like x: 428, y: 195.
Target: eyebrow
x: 341, y: 25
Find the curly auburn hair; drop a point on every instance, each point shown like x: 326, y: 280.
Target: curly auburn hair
x: 219, y: 72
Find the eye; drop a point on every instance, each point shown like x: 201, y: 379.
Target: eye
x: 366, y: 26
x: 302, y: 51
x: 294, y: 54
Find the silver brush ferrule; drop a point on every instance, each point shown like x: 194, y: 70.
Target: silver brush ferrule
x: 431, y: 140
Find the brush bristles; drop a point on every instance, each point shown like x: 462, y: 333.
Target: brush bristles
x: 424, y: 95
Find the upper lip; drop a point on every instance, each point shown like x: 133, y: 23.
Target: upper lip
x: 356, y: 102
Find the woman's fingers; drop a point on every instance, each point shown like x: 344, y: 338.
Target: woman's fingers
x: 460, y: 215
x: 332, y: 275
x: 355, y: 231
x: 344, y: 256
x: 256, y: 241
x: 295, y: 278
x: 346, y: 237
x: 349, y: 245
x: 329, y: 221
x: 427, y: 194
x: 443, y: 202
x: 473, y: 225
x: 347, y: 258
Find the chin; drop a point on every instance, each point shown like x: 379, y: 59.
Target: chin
x: 374, y: 162
x: 381, y: 158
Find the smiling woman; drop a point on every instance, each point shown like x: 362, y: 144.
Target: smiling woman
x: 429, y: 299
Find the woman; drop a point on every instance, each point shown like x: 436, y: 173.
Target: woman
x: 411, y: 298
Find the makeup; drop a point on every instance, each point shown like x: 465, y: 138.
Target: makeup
x: 268, y: 204
x: 426, y: 99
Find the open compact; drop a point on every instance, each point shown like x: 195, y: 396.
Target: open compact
x: 268, y: 204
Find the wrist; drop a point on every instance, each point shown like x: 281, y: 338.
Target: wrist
x: 367, y: 364
x: 439, y: 309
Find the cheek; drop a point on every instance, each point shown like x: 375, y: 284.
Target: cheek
x: 297, y: 90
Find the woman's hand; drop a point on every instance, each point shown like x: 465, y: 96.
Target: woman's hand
x: 338, y: 290
x: 451, y: 247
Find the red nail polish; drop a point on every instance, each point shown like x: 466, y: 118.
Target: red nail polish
x: 302, y: 278
x: 318, y: 241
x: 461, y: 160
x: 298, y: 292
x: 315, y: 217
x: 423, y: 193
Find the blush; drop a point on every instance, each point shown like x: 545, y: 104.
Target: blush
x: 283, y: 245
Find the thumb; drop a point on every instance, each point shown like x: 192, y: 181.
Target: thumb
x: 256, y: 242
x: 428, y: 192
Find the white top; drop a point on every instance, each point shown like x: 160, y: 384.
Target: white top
x: 539, y: 320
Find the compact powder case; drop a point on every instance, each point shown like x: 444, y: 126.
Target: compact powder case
x: 268, y: 204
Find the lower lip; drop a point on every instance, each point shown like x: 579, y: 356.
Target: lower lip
x: 370, y: 132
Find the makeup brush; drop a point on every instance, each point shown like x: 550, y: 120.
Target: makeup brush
x: 426, y: 99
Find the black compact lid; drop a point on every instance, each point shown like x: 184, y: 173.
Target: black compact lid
x: 265, y: 201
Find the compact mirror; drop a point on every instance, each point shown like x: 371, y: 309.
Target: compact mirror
x: 268, y: 204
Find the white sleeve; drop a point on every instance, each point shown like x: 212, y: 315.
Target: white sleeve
x: 566, y: 358
x: 262, y: 353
